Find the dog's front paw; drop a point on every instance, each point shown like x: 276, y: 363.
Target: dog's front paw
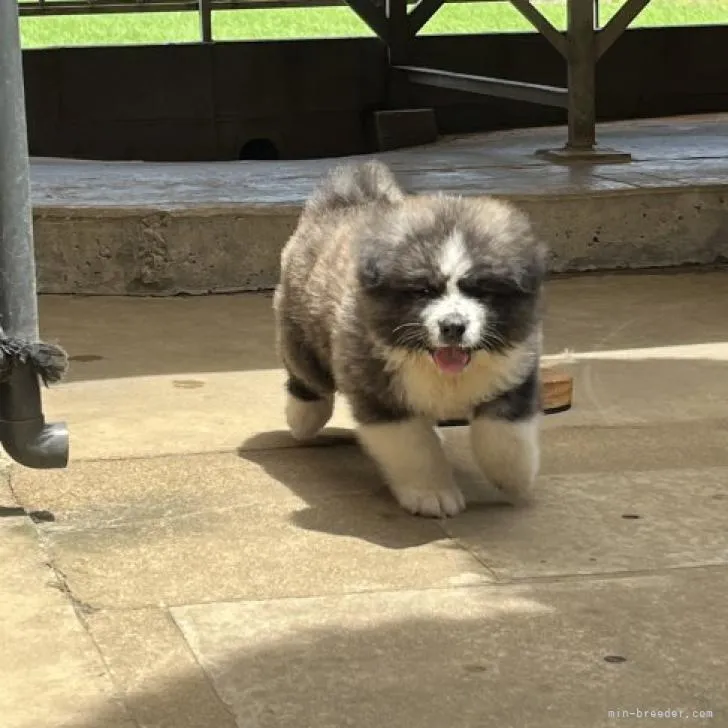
x: 307, y: 418
x: 517, y: 491
x: 414, y: 465
x: 432, y: 501
x: 508, y: 455
x: 513, y: 478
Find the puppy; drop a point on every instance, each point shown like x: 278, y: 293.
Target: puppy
x: 418, y: 309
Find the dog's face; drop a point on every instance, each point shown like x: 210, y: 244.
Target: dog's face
x: 451, y: 276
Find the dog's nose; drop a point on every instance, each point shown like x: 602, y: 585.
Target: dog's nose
x: 452, y: 328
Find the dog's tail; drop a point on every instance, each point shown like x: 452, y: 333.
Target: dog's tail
x: 356, y: 184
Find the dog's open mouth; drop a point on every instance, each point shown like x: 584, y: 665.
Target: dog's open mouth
x: 451, y: 359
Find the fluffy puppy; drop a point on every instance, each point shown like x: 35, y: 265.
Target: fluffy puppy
x: 418, y: 309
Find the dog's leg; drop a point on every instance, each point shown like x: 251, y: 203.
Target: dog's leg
x: 411, y: 457
x: 504, y: 435
x: 310, y: 388
x: 306, y: 411
x: 507, y: 453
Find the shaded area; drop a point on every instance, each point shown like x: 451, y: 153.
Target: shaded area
x: 198, y: 335
x: 184, y: 102
x: 259, y: 149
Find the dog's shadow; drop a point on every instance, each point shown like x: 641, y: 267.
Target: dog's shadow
x: 345, y: 494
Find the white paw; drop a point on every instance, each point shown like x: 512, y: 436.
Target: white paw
x: 306, y: 419
x: 516, y: 491
x: 433, y: 502
x: 508, y: 455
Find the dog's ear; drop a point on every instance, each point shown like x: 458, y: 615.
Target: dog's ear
x: 534, y: 270
x: 370, y: 268
x: 375, y: 260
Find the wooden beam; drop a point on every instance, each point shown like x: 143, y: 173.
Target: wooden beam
x: 542, y: 24
x: 372, y: 15
x: 620, y: 21
x: 205, y: 11
x: 398, y: 30
x: 421, y: 14
x: 484, y: 85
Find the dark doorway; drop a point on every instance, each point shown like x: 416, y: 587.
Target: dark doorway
x: 259, y: 149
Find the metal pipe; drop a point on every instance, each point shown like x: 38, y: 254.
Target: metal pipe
x: 24, y: 433
x: 581, y: 62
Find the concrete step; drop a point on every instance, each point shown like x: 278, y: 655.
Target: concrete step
x: 159, y: 229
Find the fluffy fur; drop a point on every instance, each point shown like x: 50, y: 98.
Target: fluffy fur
x: 417, y: 308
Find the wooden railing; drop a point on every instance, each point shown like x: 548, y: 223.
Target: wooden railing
x: 397, y: 23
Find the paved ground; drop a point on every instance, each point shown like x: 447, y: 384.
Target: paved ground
x: 203, y: 572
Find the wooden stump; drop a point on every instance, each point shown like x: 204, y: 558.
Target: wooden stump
x: 556, y: 392
x: 557, y: 389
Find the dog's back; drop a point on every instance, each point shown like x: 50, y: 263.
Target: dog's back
x: 316, y: 263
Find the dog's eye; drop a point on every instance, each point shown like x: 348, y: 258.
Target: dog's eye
x: 419, y: 288
x: 490, y: 288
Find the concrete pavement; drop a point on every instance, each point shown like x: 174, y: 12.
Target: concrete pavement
x: 204, y: 571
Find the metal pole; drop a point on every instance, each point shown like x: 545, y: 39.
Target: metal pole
x: 205, y: 11
x: 23, y: 430
x: 18, y: 306
x: 581, y: 63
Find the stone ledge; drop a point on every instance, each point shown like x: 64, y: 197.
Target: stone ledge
x: 225, y: 248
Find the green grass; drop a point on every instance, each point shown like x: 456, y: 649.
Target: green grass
x: 142, y: 28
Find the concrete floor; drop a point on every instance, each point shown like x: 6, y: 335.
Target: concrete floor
x: 203, y: 571
x: 667, y: 153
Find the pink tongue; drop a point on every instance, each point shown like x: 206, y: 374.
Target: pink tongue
x: 451, y: 359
